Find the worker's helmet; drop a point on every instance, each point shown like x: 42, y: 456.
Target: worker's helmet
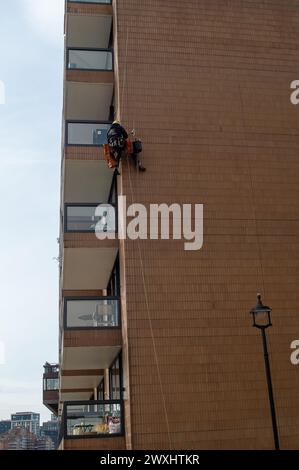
x: 116, y: 122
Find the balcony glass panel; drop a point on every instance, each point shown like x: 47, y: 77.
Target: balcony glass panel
x: 81, y: 133
x: 86, y: 419
x: 84, y: 219
x: 90, y: 313
x: 51, y: 384
x: 90, y: 59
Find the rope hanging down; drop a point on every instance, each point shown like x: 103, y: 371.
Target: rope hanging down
x: 142, y: 265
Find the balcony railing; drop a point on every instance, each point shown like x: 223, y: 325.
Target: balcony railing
x: 105, y: 2
x: 51, y: 369
x: 91, y: 312
x: 86, y: 133
x: 88, y: 218
x: 90, y: 59
x: 88, y: 419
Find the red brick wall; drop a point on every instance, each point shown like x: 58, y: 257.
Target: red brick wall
x: 86, y: 240
x: 115, y: 443
x: 73, y: 152
x: 207, y: 89
x: 89, y: 9
x: 82, y: 338
x: 89, y: 76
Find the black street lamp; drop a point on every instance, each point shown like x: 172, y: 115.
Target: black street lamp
x: 261, y: 315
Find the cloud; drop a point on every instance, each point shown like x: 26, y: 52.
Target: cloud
x: 46, y: 18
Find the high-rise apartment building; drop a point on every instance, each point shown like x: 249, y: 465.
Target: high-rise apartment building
x: 51, y: 429
x: 26, y: 420
x: 157, y: 350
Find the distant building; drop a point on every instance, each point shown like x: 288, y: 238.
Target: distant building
x: 45, y: 443
x: 50, y: 429
x: 20, y: 438
x: 26, y: 420
x: 5, y: 426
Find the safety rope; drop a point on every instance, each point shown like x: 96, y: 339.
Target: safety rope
x: 125, y: 73
x: 142, y: 264
x: 150, y: 319
x: 254, y: 212
x: 252, y: 196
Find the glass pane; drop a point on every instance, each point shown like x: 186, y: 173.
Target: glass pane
x: 115, y: 380
x: 113, y: 195
x: 101, y: 390
x: 83, y: 218
x: 93, y: 419
x: 92, y: 313
x: 52, y: 384
x: 90, y: 60
x: 87, y: 133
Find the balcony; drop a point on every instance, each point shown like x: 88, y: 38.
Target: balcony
x: 93, y: 419
x: 51, y: 387
x: 88, y: 98
x: 91, y: 335
x: 90, y: 59
x: 87, y: 181
x: 88, y: 259
x: 89, y: 62
x: 92, y: 422
x: 91, y: 339
x: 88, y: 23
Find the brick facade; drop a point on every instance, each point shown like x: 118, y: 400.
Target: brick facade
x: 207, y: 85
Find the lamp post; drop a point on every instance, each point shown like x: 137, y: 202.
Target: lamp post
x: 261, y: 315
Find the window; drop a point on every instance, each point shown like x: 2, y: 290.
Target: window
x: 101, y: 390
x: 112, y: 199
x: 113, y: 288
x: 115, y: 380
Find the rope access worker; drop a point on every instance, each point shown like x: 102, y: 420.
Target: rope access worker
x: 117, y: 136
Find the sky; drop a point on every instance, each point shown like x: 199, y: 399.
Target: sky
x: 31, y: 69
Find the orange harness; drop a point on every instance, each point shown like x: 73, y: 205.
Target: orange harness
x: 111, y: 162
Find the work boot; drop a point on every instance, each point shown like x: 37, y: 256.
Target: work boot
x: 141, y: 168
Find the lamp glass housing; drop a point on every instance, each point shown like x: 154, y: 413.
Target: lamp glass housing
x: 261, y: 314
x: 262, y: 319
